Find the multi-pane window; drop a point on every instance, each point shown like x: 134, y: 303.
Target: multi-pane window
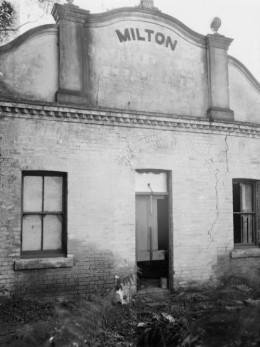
x: 43, y: 213
x: 245, y: 212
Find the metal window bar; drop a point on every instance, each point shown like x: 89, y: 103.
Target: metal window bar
x: 247, y: 227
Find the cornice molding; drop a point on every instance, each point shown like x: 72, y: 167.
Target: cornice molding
x: 244, y: 70
x: 218, y: 41
x: 127, y: 119
x: 69, y: 12
x: 129, y: 13
x: 28, y: 35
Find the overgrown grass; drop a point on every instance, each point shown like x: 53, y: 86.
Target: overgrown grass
x: 223, y: 318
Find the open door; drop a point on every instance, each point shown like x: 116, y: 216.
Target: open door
x: 152, y: 229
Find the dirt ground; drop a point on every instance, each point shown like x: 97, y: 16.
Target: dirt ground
x: 228, y: 316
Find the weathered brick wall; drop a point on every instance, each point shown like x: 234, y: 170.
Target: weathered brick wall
x: 100, y: 161
x: 205, y: 239
x: 100, y: 213
x: 243, y: 162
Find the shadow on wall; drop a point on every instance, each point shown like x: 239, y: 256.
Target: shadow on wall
x: 93, y: 272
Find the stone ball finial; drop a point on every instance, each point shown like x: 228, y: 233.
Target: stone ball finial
x: 149, y: 4
x: 70, y: 2
x: 215, y: 24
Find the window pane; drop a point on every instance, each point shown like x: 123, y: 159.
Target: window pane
x: 31, y: 233
x: 53, y: 193
x: 236, y: 197
x: 247, y: 228
x: 32, y: 194
x: 247, y: 197
x: 244, y: 219
x: 52, y: 232
x: 147, y: 181
x: 237, y: 228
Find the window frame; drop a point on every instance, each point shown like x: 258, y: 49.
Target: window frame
x: 46, y: 253
x: 253, y: 213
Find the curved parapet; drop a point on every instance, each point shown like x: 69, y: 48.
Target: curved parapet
x: 164, y: 20
x: 29, y: 65
x: 244, y: 92
x: 244, y: 70
x: 131, y: 58
x: 147, y: 60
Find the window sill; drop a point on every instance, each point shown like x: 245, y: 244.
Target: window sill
x: 249, y: 252
x: 44, y: 263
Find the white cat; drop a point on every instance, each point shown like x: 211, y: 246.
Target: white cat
x: 123, y: 290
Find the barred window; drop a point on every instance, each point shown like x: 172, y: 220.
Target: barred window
x: 246, y: 210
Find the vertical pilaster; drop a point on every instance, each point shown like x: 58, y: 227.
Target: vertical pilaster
x: 217, y: 46
x: 72, y: 54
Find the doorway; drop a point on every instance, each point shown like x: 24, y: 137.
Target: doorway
x: 152, y: 233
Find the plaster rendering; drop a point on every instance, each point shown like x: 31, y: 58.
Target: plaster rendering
x: 29, y: 65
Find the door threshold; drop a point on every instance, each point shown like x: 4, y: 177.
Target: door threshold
x: 154, y: 291
x: 151, y: 285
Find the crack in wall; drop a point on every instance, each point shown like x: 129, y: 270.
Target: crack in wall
x: 130, y: 158
x: 226, y: 151
x: 97, y: 95
x: 126, y: 157
x: 210, y: 232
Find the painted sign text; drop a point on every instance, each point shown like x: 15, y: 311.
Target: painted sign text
x: 146, y: 35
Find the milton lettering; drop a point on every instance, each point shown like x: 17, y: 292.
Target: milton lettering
x: 146, y: 35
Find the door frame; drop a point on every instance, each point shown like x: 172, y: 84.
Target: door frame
x: 170, y: 221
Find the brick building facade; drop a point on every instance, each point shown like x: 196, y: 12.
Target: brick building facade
x: 126, y: 139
